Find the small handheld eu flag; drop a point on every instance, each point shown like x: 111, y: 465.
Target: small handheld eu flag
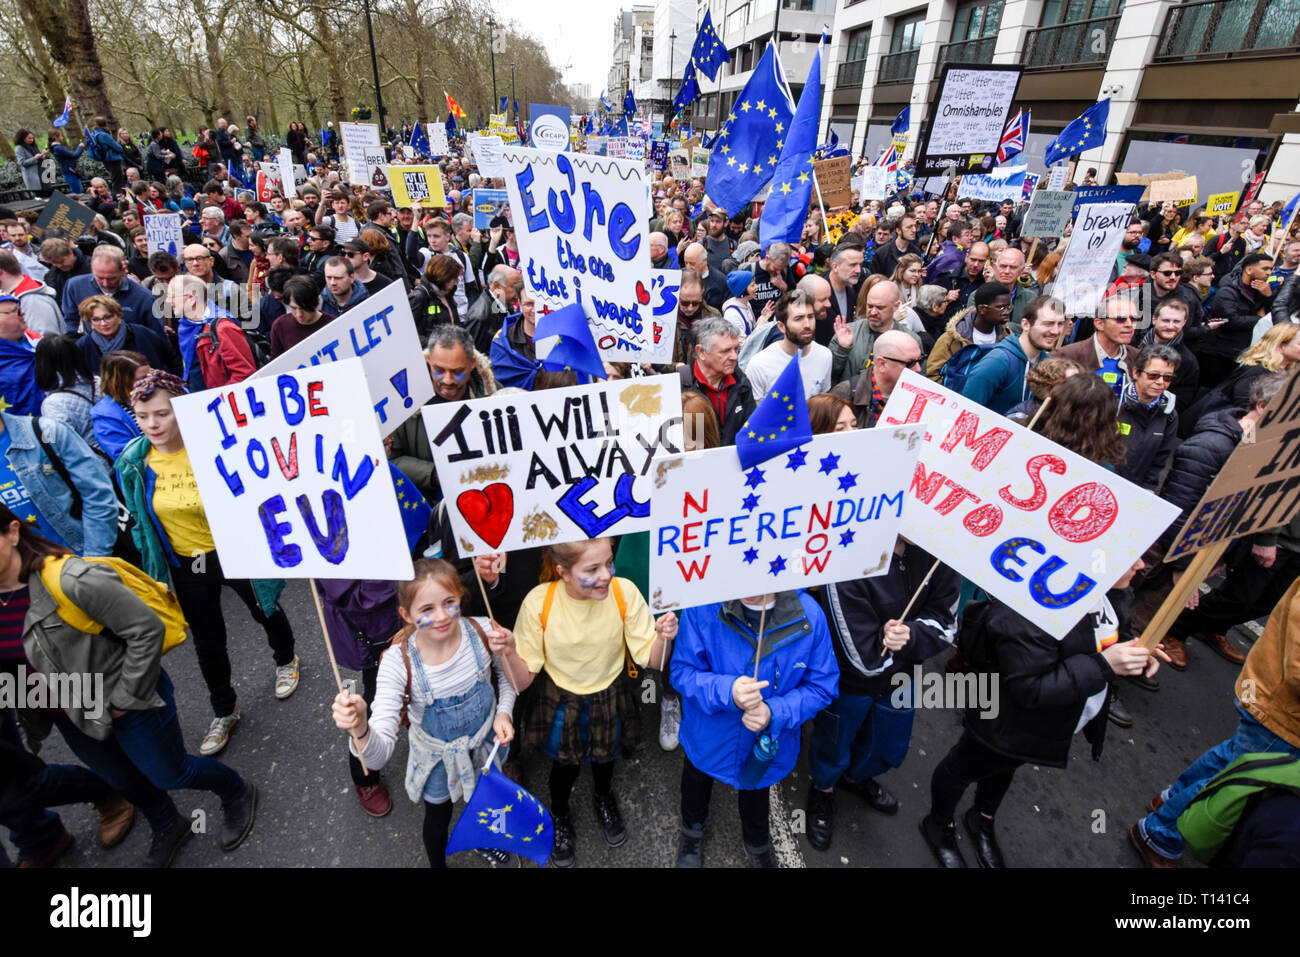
x: 502, y: 815
x: 779, y: 422
x: 564, y: 342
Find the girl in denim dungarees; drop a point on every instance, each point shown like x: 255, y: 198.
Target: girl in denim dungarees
x: 437, y: 679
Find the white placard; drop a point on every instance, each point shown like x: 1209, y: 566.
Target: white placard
x: 664, y: 286
x: 163, y: 233
x: 1048, y: 214
x: 1056, y: 180
x: 826, y: 511
x: 487, y: 154
x: 288, y: 182
x: 381, y: 331
x: 437, y: 134
x: 355, y: 138
x: 376, y: 168
x: 969, y: 116
x: 635, y: 149
x: 582, y: 224
x: 293, y: 479
x: 1005, y: 183
x: 871, y: 183
x: 1034, y: 524
x: 561, y: 465
x: 1089, y: 260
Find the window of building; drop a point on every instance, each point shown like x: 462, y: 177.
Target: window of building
x: 975, y: 20
x: 908, y: 32
x: 737, y: 19
x: 859, y: 40
x: 1072, y: 11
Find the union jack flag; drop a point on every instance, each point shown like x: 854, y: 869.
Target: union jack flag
x: 1014, y: 136
x: 889, y: 158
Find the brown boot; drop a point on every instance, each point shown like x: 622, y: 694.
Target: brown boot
x: 1223, y: 647
x: 1149, y: 857
x: 116, y: 815
x: 51, y: 857
x: 1177, y: 652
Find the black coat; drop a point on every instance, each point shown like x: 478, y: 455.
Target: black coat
x: 1197, y: 462
x: 1286, y: 301
x: 1043, y: 684
x: 739, y: 401
x: 141, y: 339
x: 1232, y: 394
x: 1150, y: 439
x: 887, y: 256
x: 482, y: 320
x: 825, y: 328
x: 1240, y: 306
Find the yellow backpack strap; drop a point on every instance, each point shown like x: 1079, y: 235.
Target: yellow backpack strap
x: 547, y: 602
x: 619, y: 600
x: 52, y: 579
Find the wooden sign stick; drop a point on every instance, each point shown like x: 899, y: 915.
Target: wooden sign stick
x: 1176, y: 600
x: 338, y: 679
x: 758, y: 650
x: 482, y: 589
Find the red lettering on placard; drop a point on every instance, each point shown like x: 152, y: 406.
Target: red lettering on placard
x: 986, y: 446
x: 313, y: 401
x: 1096, y: 502
x: 696, y: 570
x: 954, y: 498
x: 925, y: 485
x: 985, y: 520
x: 689, y: 502
x: 1034, y: 468
x: 920, y: 398
x: 818, y: 563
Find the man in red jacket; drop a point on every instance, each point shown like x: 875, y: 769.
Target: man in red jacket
x: 213, y: 348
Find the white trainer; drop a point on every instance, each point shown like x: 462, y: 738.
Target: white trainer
x: 670, y: 719
x: 286, y: 679
x: 218, y: 734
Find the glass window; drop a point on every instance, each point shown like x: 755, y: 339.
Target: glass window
x: 977, y: 20
x: 1279, y: 24
x: 908, y: 34
x: 858, y: 42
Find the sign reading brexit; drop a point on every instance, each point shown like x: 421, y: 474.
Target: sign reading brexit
x: 582, y: 224
x: 561, y: 465
x: 1030, y: 522
x: 291, y: 472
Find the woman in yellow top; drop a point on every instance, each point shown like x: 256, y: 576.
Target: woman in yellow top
x: 572, y: 631
x: 171, y: 530
x: 1198, y: 223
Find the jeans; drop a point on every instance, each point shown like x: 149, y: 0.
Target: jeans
x: 970, y: 761
x: 199, y: 594
x: 858, y: 735
x: 755, y: 805
x: 1160, y: 828
x: 145, y: 757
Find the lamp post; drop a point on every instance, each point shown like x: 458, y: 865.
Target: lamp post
x: 672, y: 60
x: 513, y: 99
x: 374, y: 67
x: 492, y: 53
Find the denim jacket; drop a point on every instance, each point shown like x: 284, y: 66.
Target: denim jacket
x: 96, y: 533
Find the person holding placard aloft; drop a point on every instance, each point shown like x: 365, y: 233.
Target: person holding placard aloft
x: 171, y: 530
x: 575, y: 631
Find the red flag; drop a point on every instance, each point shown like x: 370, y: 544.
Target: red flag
x: 454, y: 107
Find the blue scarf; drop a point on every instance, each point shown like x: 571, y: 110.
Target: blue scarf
x: 106, y: 344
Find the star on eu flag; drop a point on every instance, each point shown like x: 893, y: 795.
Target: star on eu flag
x: 846, y: 538
x: 829, y: 463
x: 754, y: 477
x: 751, y: 555
x: 776, y: 565
x: 796, y: 459
x: 847, y: 481
x: 750, y: 502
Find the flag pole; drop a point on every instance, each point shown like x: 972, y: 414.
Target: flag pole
x: 758, y: 649
x: 338, y: 679
x: 488, y: 605
x: 817, y: 186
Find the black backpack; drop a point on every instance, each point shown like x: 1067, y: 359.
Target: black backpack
x: 961, y: 364
x: 258, y: 344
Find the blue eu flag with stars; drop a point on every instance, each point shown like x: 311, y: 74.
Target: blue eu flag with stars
x: 786, y: 209
x: 1085, y: 133
x: 419, y: 140
x: 778, y: 423
x: 689, y: 91
x: 564, y: 342
x: 502, y: 815
x: 708, y: 53
x: 751, y: 138
x: 415, y: 511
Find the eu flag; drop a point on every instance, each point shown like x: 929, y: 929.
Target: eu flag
x: 780, y: 421
x: 786, y: 209
x: 752, y: 137
x: 419, y: 140
x: 415, y: 511
x: 502, y: 107
x: 689, y: 91
x: 629, y: 103
x: 708, y: 52
x: 1284, y: 217
x: 564, y: 342
x: 18, y: 392
x: 902, y: 122
x: 502, y: 815
x: 604, y: 101
x: 1085, y: 133
x: 451, y: 126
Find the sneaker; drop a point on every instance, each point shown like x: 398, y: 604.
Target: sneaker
x: 218, y: 734
x: 164, y: 844
x: 761, y: 857
x: 1117, y: 713
x: 238, y: 818
x: 61, y: 846
x: 821, y: 817
x: 374, y: 799
x: 611, y: 821
x: 562, y: 852
x: 670, y: 719
x: 116, y: 815
x: 498, y: 858
x: 286, y: 679
x: 690, y: 847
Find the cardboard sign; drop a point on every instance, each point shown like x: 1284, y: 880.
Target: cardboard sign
x: 487, y: 154
x: 437, y: 134
x: 1005, y: 183
x: 582, y: 224
x: 355, y: 138
x: 562, y: 465
x: 292, y: 476
x: 416, y: 186
x: 1180, y: 191
x: 376, y: 168
x: 1049, y: 213
x: 1089, y: 260
x: 1259, y: 486
x: 381, y: 332
x: 487, y: 204
x: 67, y: 214
x: 1221, y: 204
x: 163, y: 233
x: 967, y: 118
x: 827, y: 511
x: 1030, y: 522
x: 871, y: 183
x: 1146, y: 180
x: 833, y: 178
x: 288, y: 182
x: 1057, y: 178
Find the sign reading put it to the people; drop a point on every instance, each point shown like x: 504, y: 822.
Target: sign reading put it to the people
x: 416, y: 186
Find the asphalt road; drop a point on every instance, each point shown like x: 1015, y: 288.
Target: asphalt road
x: 309, y: 815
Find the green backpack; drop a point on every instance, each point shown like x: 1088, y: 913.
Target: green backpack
x: 1209, y: 820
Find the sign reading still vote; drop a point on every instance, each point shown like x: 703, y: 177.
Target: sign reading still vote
x: 1030, y: 522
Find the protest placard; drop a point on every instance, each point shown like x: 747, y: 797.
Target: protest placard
x: 1145, y: 180
x: 163, y: 233
x: 871, y: 183
x: 827, y: 511
x: 1221, y: 204
x: 967, y: 118
x: 634, y: 149
x: 1031, y: 184
x: 548, y: 126
x: 561, y: 465
x: 356, y: 137
x: 1042, y: 529
x: 66, y: 214
x: 659, y: 154
x: 288, y: 184
x: 438, y: 145
x: 1086, y: 195
x: 487, y: 204
x: 1180, y: 191
x: 664, y: 285
x: 416, y: 186
x: 376, y: 167
x: 833, y: 180
x: 700, y: 161
x: 1048, y: 214
x: 487, y: 154
x: 1089, y: 260
x: 292, y: 476
x: 381, y: 332
x: 582, y: 224
x: 1056, y: 180
x: 1005, y: 183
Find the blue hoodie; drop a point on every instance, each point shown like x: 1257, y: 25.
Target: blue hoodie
x: 330, y: 306
x: 998, y: 381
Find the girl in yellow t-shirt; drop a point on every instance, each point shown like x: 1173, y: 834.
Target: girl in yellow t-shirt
x: 574, y: 631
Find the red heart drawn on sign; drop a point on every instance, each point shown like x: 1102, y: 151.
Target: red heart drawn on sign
x: 488, y: 511
x: 642, y: 296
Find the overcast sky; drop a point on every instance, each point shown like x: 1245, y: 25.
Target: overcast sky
x: 575, y: 32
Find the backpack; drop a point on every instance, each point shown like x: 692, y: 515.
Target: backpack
x: 257, y: 343
x: 960, y: 364
x: 160, y: 601
x: 95, y: 149
x: 614, y: 587
x: 1210, y: 819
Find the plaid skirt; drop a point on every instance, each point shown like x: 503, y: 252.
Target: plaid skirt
x: 574, y: 729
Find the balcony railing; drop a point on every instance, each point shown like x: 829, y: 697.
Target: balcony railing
x: 898, y: 67
x: 1222, y: 29
x: 1070, y: 45
x: 850, y: 74
x: 979, y: 50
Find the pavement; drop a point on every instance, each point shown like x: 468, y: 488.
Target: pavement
x: 308, y: 815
